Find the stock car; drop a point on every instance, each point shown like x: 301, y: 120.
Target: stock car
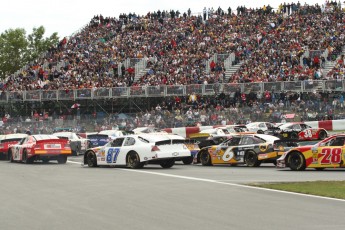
x: 78, y: 143
x: 97, y: 139
x: 301, y: 132
x: 328, y: 153
x: 40, y: 147
x: 249, y: 149
x: 192, y: 144
x: 260, y: 127
x: 135, y: 151
x: 6, y: 141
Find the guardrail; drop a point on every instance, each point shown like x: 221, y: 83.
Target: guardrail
x: 173, y: 90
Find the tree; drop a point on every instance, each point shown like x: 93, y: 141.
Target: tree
x: 17, y: 50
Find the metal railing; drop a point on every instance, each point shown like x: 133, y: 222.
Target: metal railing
x: 173, y: 90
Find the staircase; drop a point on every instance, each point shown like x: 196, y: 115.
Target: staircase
x: 229, y: 72
x: 330, y: 64
x: 141, y: 73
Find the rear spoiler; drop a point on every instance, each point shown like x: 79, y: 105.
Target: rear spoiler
x: 172, y: 141
x: 64, y: 138
x: 285, y: 144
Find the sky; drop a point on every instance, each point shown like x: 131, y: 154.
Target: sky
x: 68, y: 16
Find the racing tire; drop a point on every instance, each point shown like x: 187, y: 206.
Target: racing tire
x: 91, y: 159
x: 62, y: 159
x: 319, y: 169
x: 167, y: 163
x: 205, y: 158
x: 187, y: 160
x: 322, y: 135
x: 294, y: 135
x: 296, y: 161
x: 260, y: 132
x: 9, y: 156
x: 45, y: 160
x: 133, y: 161
x: 251, y: 159
x: 25, y: 158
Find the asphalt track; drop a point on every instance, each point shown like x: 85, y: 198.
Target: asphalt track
x: 52, y: 196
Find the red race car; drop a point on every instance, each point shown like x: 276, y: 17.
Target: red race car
x: 6, y: 141
x: 328, y: 153
x: 40, y: 147
x: 301, y: 132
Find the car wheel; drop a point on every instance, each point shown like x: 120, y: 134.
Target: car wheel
x: 205, y: 158
x: 168, y: 163
x: 27, y: 160
x: 294, y: 135
x: 91, y: 159
x: 62, y: 159
x: 260, y: 132
x: 133, y: 160
x: 251, y: 159
x: 45, y: 160
x: 10, y: 156
x: 296, y: 161
x: 187, y: 160
x: 322, y: 135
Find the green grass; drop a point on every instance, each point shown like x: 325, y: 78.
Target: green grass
x: 334, y: 189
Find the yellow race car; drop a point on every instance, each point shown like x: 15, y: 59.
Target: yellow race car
x: 249, y: 149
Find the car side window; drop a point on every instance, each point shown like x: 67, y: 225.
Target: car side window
x: 246, y: 141
x: 22, y: 140
x: 337, y: 142
x: 129, y: 141
x: 117, y: 142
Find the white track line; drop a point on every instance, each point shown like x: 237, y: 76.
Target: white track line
x: 223, y: 183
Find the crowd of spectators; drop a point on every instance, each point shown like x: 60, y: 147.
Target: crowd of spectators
x: 177, y: 46
x: 269, y: 43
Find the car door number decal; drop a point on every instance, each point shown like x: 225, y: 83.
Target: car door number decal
x: 228, y: 155
x: 308, y: 133
x: 331, y: 156
x: 112, y: 155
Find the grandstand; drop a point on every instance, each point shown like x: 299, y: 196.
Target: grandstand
x: 132, y: 64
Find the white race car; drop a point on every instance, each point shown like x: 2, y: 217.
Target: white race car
x: 137, y: 150
x: 78, y: 144
x: 260, y: 127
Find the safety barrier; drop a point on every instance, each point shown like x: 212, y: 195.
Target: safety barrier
x: 329, y: 125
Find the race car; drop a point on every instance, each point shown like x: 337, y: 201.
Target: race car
x: 192, y: 144
x: 78, y: 144
x: 260, y: 127
x: 328, y: 153
x: 6, y: 141
x: 301, y: 132
x: 40, y: 147
x: 137, y: 150
x: 250, y: 149
x: 97, y: 139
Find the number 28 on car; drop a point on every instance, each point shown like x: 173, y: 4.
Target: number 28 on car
x: 328, y: 153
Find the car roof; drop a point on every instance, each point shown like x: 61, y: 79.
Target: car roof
x: 44, y: 136
x: 155, y: 137
x: 13, y: 135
